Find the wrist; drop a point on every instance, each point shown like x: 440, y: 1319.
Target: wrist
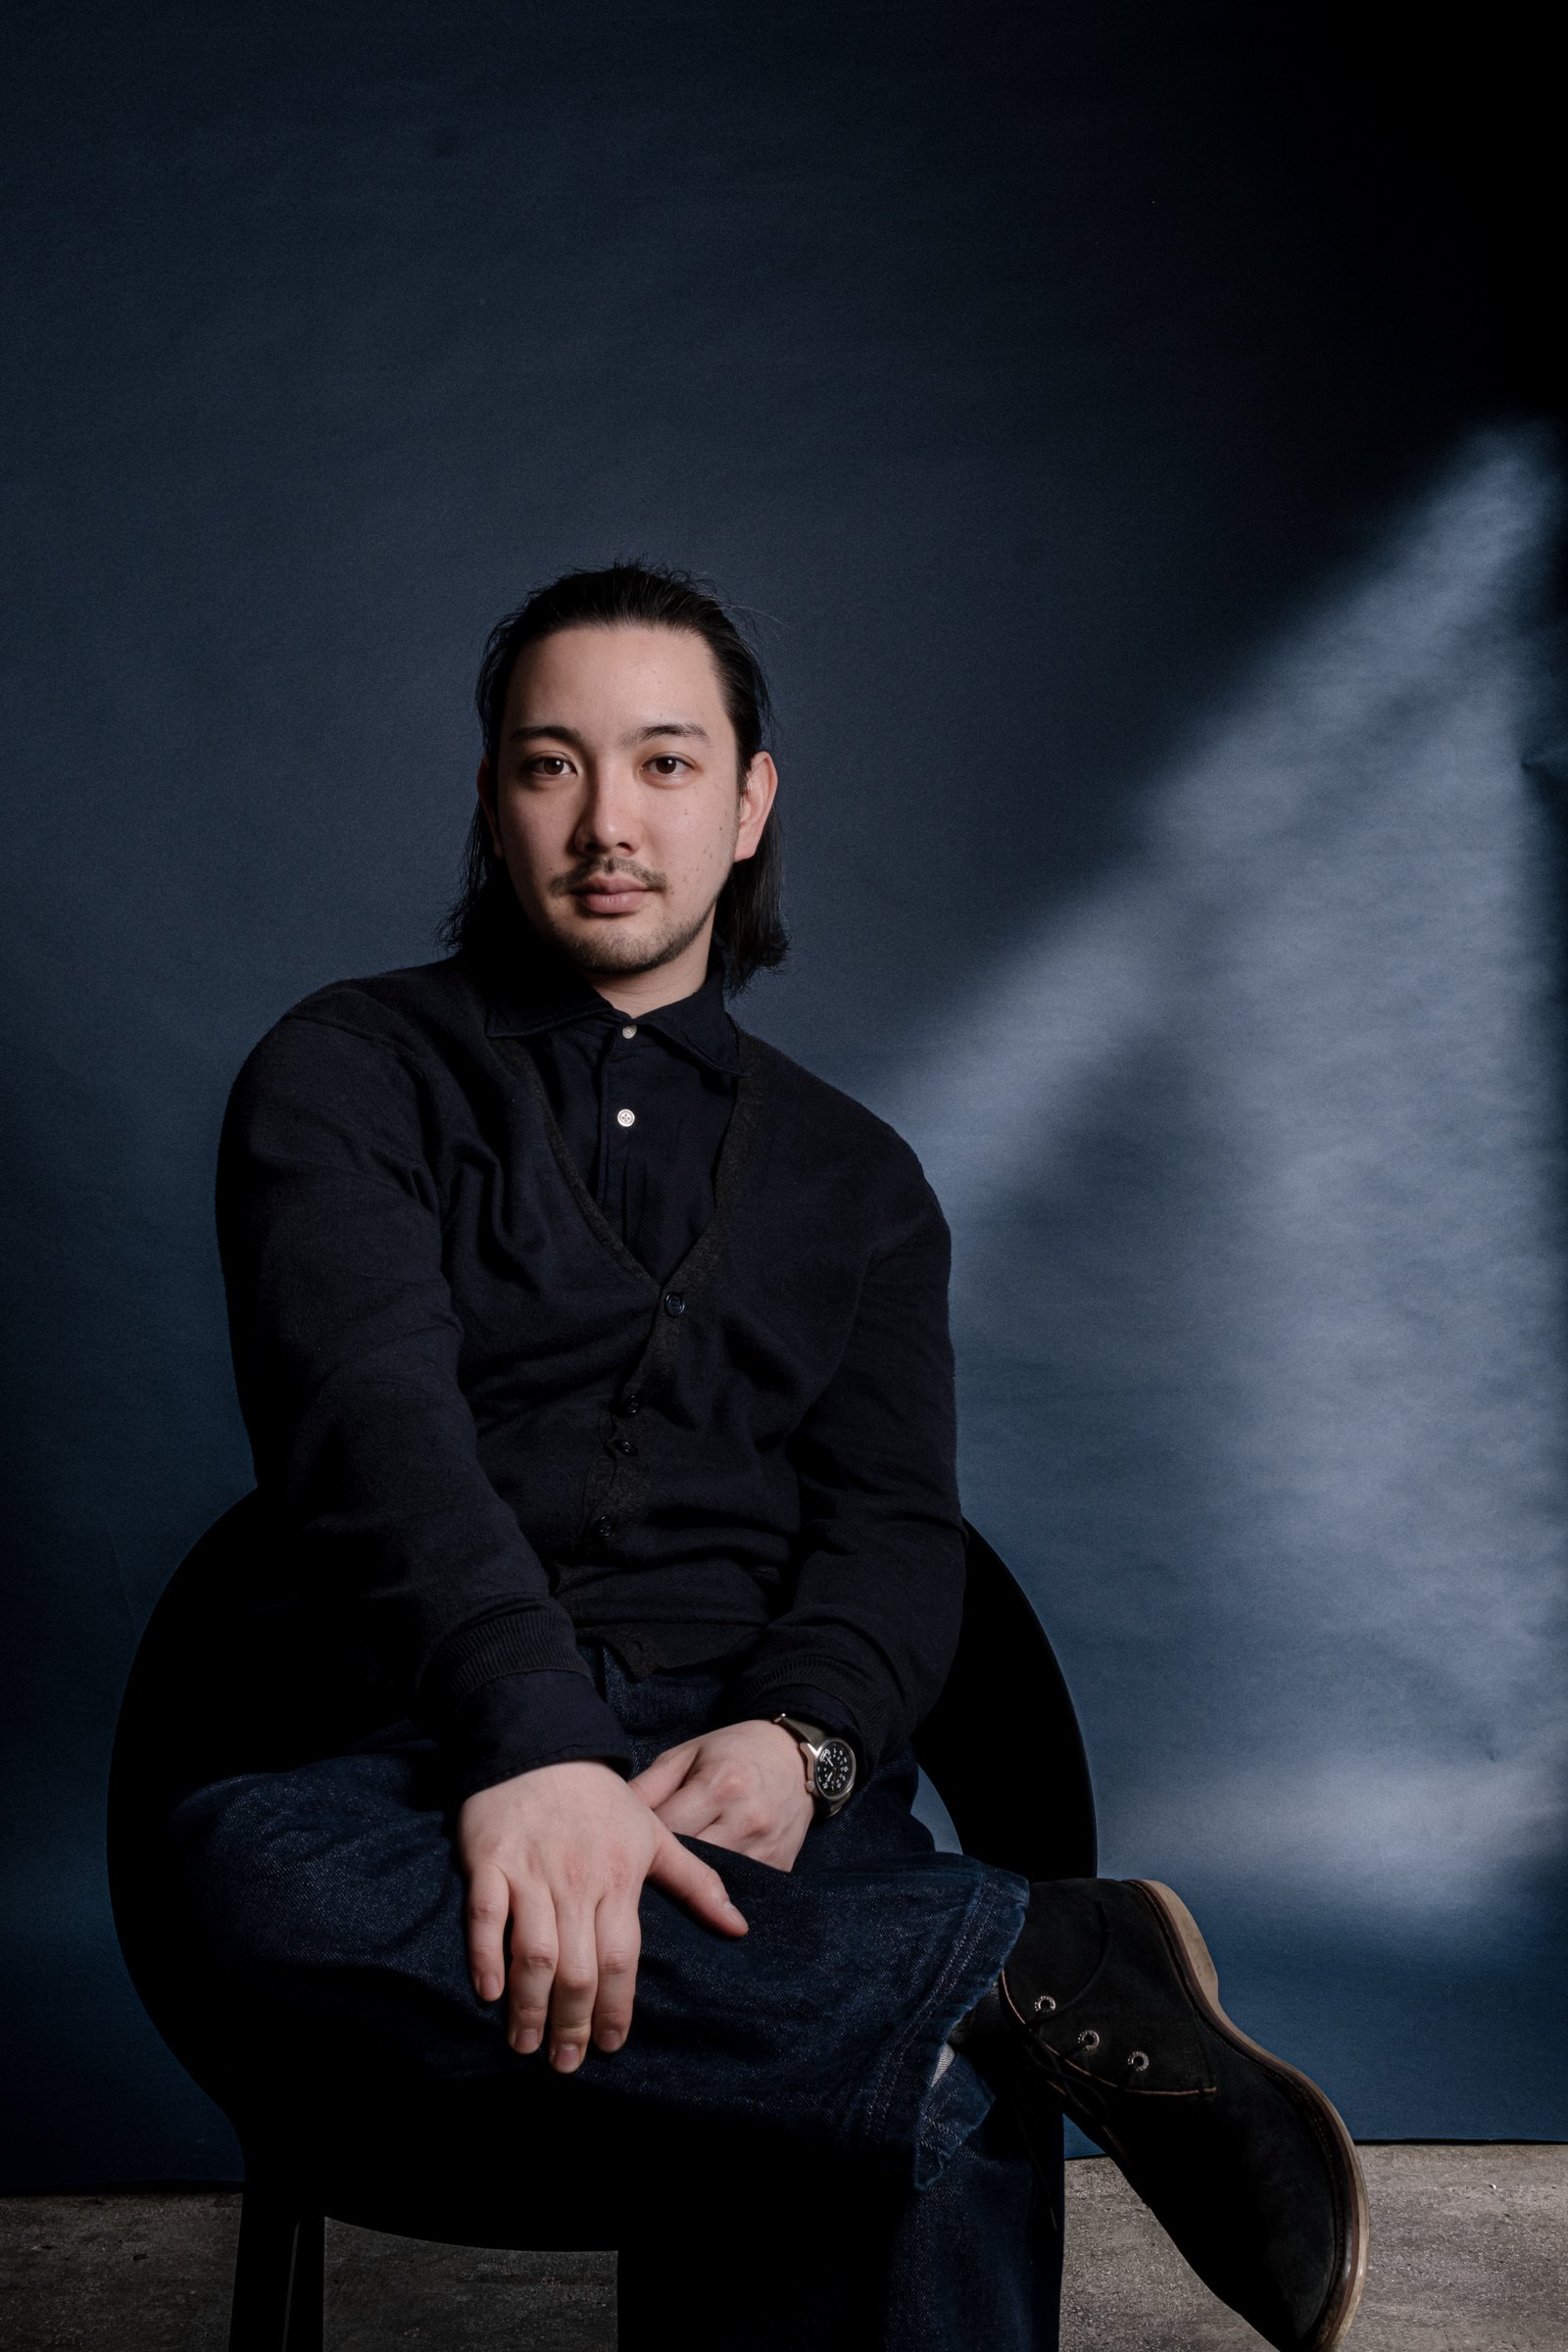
x: 530, y: 1775
x: 828, y: 1759
x: 783, y: 1735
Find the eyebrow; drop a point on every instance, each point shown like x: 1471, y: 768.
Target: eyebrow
x: 659, y: 726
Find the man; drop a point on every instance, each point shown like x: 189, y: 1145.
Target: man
x: 596, y: 1364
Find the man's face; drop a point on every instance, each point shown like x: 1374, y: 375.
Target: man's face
x: 617, y: 799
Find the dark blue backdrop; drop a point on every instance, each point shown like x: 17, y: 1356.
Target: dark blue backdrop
x: 1109, y: 415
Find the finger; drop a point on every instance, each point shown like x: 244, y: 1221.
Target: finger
x: 691, y: 1810
x: 664, y: 1774
x: 486, y: 1910
x: 619, y: 1939
x: 534, y: 1949
x: 577, y: 1985
x: 698, y: 1886
x: 727, y: 1834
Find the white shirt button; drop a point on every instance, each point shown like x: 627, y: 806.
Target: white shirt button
x: 630, y: 1029
x: 625, y: 1118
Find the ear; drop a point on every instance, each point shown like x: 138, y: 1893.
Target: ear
x: 757, y: 787
x: 486, y: 785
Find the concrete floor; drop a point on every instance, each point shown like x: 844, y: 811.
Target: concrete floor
x: 1469, y: 2254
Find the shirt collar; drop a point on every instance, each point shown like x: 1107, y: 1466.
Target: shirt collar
x: 533, y: 988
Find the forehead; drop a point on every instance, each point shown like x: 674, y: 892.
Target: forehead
x: 624, y: 669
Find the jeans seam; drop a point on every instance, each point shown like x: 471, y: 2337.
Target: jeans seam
x: 885, y: 2081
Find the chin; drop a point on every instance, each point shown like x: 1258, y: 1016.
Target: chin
x: 614, y: 945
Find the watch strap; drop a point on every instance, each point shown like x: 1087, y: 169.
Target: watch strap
x: 813, y: 1737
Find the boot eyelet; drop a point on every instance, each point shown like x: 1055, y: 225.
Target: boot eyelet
x: 1042, y: 2001
x: 1137, y: 2060
x: 1089, y: 2041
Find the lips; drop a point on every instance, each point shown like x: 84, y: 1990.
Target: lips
x: 610, y: 894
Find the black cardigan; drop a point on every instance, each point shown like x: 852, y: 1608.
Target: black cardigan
x: 480, y: 1427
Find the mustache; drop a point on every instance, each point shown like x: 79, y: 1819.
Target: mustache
x: 597, y: 870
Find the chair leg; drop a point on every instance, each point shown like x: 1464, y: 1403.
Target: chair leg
x: 277, y: 2276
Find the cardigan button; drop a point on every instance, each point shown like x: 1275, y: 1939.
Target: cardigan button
x: 604, y: 1529
x: 674, y: 1303
x: 633, y: 1402
x: 623, y: 1446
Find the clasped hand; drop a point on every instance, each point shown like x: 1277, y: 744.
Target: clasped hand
x: 563, y: 1852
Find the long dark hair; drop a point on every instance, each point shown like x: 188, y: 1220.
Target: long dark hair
x: 747, y: 921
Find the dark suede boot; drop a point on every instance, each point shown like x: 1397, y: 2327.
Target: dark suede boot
x: 1107, y: 2008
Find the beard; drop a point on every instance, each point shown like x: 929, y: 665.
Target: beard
x: 614, y: 949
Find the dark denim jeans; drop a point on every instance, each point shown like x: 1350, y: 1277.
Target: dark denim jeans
x: 768, y: 2148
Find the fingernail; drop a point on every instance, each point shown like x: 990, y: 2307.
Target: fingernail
x: 524, y: 2039
x: 565, y: 2057
x: 489, y: 1988
x: 610, y: 2041
x: 733, y: 1913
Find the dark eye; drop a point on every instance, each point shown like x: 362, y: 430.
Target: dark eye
x: 666, y: 763
x: 546, y: 764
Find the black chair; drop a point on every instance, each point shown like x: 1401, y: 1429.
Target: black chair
x: 1002, y: 1747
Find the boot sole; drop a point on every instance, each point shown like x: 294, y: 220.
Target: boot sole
x: 1201, y: 1981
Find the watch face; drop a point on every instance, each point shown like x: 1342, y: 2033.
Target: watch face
x: 835, y: 1768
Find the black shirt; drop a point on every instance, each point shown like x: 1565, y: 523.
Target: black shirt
x: 483, y: 1425
x: 642, y: 1100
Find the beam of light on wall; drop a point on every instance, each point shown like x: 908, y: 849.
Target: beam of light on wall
x: 1254, y: 1172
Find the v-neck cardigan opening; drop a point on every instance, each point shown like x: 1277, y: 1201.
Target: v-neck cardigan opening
x: 615, y: 1485
x: 700, y: 1258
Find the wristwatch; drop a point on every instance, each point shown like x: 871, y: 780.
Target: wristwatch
x: 829, y: 1762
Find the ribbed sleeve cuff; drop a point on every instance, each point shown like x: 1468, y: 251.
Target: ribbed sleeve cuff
x: 535, y: 1638
x: 516, y: 1722
x: 807, y: 1684
x: 812, y: 1706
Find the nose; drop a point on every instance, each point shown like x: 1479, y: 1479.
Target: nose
x: 607, y: 822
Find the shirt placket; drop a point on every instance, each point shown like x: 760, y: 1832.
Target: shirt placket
x: 619, y: 1118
